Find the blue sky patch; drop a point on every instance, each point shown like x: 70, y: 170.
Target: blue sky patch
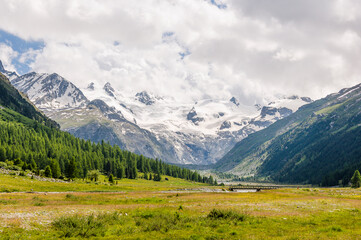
x: 184, y: 54
x: 218, y: 4
x: 21, y: 46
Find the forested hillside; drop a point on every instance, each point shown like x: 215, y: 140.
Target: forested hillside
x: 319, y: 144
x: 32, y: 145
x: 35, y: 143
x: 11, y: 98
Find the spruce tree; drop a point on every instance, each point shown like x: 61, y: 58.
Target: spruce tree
x: 356, y: 180
x: 111, y: 178
x: 55, y: 168
x: 120, y: 172
x: 48, y: 171
x: 25, y: 166
x: 33, y: 165
x: 71, y: 171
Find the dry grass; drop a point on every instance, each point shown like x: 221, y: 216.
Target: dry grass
x: 272, y: 214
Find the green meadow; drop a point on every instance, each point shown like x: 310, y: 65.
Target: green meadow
x: 174, y: 209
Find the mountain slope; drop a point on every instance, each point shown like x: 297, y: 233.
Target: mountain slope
x: 11, y: 98
x: 320, y: 143
x: 158, y: 127
x: 194, y: 132
x: 31, y: 145
x: 28, y: 145
x: 97, y: 121
x: 50, y: 91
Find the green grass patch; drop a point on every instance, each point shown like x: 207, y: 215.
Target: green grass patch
x: 9, y: 183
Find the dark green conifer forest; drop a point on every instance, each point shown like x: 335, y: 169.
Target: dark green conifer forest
x: 34, y: 146
x: 34, y: 142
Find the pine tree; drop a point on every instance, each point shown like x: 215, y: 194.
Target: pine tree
x: 33, y: 165
x: 48, y: 171
x: 356, y: 180
x: 2, y: 154
x: 55, y: 168
x: 157, y: 176
x: 120, y: 172
x: 111, y: 178
x: 25, y: 166
x: 71, y: 171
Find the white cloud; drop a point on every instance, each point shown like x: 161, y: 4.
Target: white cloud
x: 7, y: 54
x: 250, y: 49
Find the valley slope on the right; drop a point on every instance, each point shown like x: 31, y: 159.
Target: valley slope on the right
x: 318, y: 144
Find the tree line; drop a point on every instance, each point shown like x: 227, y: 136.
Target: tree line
x: 34, y: 146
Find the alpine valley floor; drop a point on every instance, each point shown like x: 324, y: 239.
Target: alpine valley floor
x: 130, y: 210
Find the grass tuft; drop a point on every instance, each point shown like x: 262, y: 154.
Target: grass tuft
x: 85, y: 226
x: 227, y: 214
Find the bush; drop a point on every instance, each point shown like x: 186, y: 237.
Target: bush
x: 161, y: 222
x: 71, y: 197
x: 15, y: 168
x: 3, y: 165
x: 93, y: 175
x: 85, y: 226
x: 226, y: 214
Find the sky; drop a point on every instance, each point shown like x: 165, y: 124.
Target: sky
x: 189, y: 49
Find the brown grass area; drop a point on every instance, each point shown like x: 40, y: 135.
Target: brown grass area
x: 36, y: 210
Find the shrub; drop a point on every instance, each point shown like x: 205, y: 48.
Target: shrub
x: 226, y: 214
x: 93, y: 175
x: 12, y: 167
x: 161, y: 222
x: 3, y: 165
x: 85, y: 226
x: 71, y: 197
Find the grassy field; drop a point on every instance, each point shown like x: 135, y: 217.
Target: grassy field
x: 145, y: 211
x: 17, y: 183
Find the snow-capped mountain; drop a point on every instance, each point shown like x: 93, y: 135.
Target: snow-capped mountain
x: 199, y: 132
x: 10, y: 75
x: 158, y: 127
x: 50, y: 91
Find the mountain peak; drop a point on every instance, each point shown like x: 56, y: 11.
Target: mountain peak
x: 145, y: 98
x: 10, y: 75
x: 50, y: 92
x: 193, y: 116
x: 234, y: 100
x: 91, y: 86
x: 109, y: 89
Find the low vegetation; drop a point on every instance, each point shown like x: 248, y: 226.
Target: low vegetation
x: 13, y: 182
x: 137, y: 214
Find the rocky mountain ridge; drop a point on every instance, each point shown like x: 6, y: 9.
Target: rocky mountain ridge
x: 158, y: 127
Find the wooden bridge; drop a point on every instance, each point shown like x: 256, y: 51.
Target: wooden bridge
x: 257, y: 188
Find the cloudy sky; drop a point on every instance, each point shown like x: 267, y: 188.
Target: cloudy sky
x: 189, y: 49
